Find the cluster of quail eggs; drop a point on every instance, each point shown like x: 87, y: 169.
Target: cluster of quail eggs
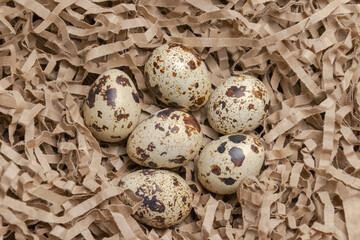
x: 176, y: 75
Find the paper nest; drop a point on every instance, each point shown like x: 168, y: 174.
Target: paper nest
x: 57, y: 181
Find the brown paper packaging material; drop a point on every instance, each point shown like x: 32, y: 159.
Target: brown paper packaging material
x: 57, y: 181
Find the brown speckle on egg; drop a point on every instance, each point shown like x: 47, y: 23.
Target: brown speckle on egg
x: 175, y: 181
x: 116, y: 137
x: 154, y: 204
x: 175, y: 116
x: 179, y: 159
x: 254, y: 149
x: 191, y: 125
x: 237, y: 156
x: 223, y: 104
x: 96, y: 89
x: 160, y: 219
x: 151, y: 147
x: 147, y: 172
x: 237, y: 92
x: 142, y: 153
x: 164, y: 114
x: 200, y: 100
x: 123, y: 81
x: 152, y: 164
x: 215, y: 169
x: 97, y: 128
x: 250, y: 106
x: 174, y: 130
x: 228, y: 181
x: 158, y: 126
x: 91, y: 98
x: 156, y: 189
x: 119, y: 115
x: 221, y: 148
x: 257, y: 94
x: 238, y: 138
x: 192, y: 65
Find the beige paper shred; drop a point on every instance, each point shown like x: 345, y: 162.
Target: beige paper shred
x: 58, y: 182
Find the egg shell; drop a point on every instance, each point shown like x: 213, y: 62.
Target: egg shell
x: 178, y: 77
x: 239, y: 104
x: 166, y: 197
x: 112, y: 108
x: 169, y: 138
x: 224, y: 162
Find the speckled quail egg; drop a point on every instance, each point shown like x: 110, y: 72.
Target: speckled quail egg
x: 168, y: 138
x: 239, y: 104
x: 178, y: 77
x: 224, y: 162
x: 166, y: 197
x: 112, y: 108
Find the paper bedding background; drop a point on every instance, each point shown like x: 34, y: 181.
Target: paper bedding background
x: 57, y: 181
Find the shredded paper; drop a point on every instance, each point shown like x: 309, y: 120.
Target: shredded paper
x: 59, y: 182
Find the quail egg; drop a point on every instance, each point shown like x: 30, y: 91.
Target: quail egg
x: 224, y: 162
x: 178, y: 77
x: 239, y: 104
x: 169, y: 138
x: 112, y: 108
x: 166, y: 197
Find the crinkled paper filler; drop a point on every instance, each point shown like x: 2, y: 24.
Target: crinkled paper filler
x: 58, y: 182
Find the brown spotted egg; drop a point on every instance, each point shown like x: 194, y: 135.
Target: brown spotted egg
x: 239, y: 104
x: 224, y: 162
x: 112, y: 108
x: 166, y: 197
x: 178, y: 77
x: 168, y: 138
